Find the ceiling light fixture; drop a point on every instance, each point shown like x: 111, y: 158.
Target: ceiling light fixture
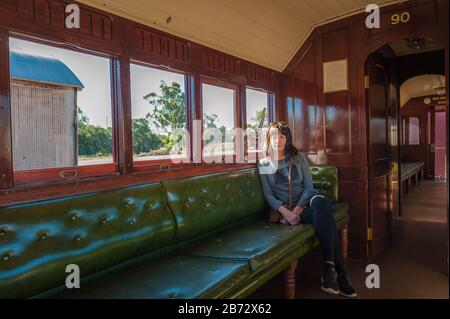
x: 416, y: 43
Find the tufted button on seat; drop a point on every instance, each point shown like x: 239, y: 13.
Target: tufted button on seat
x: 227, y: 186
x: 93, y: 230
x: 172, y: 295
x: 43, y: 235
x: 218, y: 196
x: 6, y: 256
x: 129, y: 203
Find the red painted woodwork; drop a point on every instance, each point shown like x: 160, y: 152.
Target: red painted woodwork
x: 379, y: 154
x: 6, y: 173
x: 45, y: 191
x: 156, y: 44
x: 337, y: 137
x: 68, y: 173
x: 340, y: 137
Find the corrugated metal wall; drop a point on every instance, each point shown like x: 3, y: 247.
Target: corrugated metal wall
x: 43, y: 125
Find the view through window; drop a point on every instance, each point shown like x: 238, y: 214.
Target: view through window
x: 158, y: 113
x: 218, y: 120
x: 61, y: 107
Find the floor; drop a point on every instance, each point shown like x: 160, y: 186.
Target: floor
x: 415, y: 266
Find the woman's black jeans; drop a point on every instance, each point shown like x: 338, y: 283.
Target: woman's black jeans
x: 320, y: 214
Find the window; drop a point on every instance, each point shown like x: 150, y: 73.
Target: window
x: 219, y: 119
x: 257, y: 118
x: 158, y: 114
x: 414, y: 131
x: 61, y: 108
x: 403, y: 131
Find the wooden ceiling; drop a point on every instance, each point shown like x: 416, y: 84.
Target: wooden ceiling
x: 266, y: 32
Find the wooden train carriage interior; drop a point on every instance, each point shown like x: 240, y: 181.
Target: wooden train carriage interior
x: 130, y: 135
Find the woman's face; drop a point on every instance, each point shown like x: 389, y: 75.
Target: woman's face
x: 277, y: 140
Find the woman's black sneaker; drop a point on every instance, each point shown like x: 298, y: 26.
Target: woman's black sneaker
x: 345, y: 287
x: 329, y: 280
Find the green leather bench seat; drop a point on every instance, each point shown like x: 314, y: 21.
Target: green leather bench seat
x: 95, y: 231
x: 171, y: 277
x: 199, y: 237
x: 259, y: 243
x: 203, y: 204
x: 325, y: 180
x: 410, y: 168
x: 214, y: 268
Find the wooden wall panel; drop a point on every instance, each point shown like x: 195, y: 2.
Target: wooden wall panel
x: 342, y: 141
x: 421, y: 13
x: 52, y: 13
x: 258, y: 73
x: 218, y: 62
x: 338, y: 116
x: 156, y: 44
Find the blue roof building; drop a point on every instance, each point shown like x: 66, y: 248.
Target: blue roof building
x: 43, y: 112
x: 42, y: 69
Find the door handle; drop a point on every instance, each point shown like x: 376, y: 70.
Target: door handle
x: 432, y: 147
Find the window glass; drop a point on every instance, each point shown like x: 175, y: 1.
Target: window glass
x: 414, y: 131
x: 61, y: 107
x: 218, y: 120
x: 158, y: 113
x: 257, y: 117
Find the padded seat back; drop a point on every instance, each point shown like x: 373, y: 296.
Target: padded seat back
x: 94, y: 231
x: 205, y: 203
x: 325, y: 180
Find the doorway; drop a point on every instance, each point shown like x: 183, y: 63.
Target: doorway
x: 406, y: 112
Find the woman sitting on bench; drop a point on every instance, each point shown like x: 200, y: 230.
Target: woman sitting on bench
x: 288, y: 189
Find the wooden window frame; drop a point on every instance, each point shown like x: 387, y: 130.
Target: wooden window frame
x: 271, y: 110
x: 149, y: 165
x: 6, y: 170
x: 239, y: 105
x: 52, y: 174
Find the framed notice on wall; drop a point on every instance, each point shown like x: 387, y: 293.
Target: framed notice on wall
x: 335, y: 76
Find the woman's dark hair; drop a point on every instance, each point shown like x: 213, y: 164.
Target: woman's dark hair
x: 283, y: 128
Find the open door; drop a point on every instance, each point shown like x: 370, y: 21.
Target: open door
x: 379, y: 154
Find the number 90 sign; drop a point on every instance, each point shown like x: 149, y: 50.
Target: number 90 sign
x: 403, y: 17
